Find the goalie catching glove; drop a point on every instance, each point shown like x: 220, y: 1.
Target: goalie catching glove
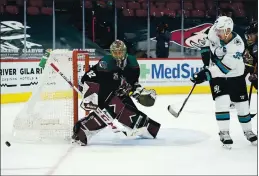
x: 90, y: 100
x: 143, y: 96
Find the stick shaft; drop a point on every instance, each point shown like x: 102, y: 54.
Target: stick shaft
x: 185, y: 101
x: 250, y: 93
x: 251, y: 88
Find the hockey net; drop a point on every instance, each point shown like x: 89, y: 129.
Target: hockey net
x: 52, y: 110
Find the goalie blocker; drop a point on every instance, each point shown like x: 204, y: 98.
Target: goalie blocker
x: 136, y: 122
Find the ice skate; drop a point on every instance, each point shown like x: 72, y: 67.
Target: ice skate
x: 250, y: 136
x: 226, y: 139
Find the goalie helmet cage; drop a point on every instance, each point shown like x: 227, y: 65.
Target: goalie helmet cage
x: 52, y: 109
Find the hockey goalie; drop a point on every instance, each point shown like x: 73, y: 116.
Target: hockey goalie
x: 107, y: 88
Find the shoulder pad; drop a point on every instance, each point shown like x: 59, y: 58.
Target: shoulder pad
x: 132, y: 61
x: 105, y: 64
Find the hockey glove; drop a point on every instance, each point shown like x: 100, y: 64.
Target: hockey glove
x: 202, y: 76
x: 143, y: 96
x: 252, y: 77
x: 90, y: 92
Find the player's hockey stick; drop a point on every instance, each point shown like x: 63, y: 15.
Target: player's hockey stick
x: 250, y: 97
x: 170, y: 107
x: 106, y: 119
x: 251, y: 88
x: 250, y: 93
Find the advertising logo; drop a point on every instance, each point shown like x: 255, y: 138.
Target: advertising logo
x: 12, y: 41
x: 193, y: 38
x: 144, y: 71
x: 164, y: 71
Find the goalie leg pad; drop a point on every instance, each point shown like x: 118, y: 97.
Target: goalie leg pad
x: 135, y: 120
x: 152, y: 129
x: 131, y: 117
x: 87, y: 127
x: 114, y: 105
x: 128, y: 115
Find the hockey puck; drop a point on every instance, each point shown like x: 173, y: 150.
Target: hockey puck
x: 8, y: 144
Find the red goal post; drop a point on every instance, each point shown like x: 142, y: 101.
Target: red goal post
x: 78, y: 55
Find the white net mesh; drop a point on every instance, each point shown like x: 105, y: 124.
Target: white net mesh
x: 49, y: 113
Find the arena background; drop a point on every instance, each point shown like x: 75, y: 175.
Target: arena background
x: 30, y: 27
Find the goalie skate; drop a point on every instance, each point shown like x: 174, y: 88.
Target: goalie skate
x: 226, y: 139
x: 75, y: 140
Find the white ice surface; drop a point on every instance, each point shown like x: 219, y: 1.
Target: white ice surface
x: 187, y: 145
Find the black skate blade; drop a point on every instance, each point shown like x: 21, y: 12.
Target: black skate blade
x: 227, y: 142
x: 253, y: 139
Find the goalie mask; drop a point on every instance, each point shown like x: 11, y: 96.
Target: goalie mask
x: 119, y: 53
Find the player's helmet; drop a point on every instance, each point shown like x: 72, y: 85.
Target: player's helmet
x: 252, y: 29
x: 222, y: 25
x: 118, y: 51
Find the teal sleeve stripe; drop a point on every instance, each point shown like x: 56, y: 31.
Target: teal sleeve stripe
x: 222, y: 67
x: 204, y: 50
x: 208, y: 76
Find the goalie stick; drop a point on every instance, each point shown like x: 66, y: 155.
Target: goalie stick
x: 170, y: 107
x: 105, y: 117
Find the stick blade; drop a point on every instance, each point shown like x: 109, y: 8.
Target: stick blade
x: 170, y: 109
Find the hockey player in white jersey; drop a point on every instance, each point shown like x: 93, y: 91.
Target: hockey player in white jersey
x: 227, y: 82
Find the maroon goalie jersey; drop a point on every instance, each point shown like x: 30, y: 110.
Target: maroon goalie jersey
x: 109, y: 76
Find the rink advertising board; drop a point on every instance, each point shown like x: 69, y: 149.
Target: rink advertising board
x: 170, y: 76
x: 166, y: 76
